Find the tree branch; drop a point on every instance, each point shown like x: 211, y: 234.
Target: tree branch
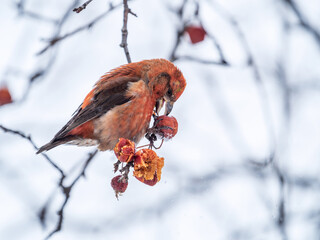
x: 60, y: 24
x: 199, y: 60
x: 66, y: 191
x: 53, y: 41
x: 82, y: 7
x: 251, y: 62
x: 28, y: 137
x: 179, y: 35
x: 124, y: 30
x: 37, y: 16
x: 302, y: 20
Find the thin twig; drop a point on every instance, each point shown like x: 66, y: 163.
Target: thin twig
x: 59, y: 26
x: 160, y: 145
x: 203, y: 61
x: 281, y: 219
x: 28, y: 137
x: 37, y: 16
x: 173, y: 56
x: 82, y: 7
x: 67, y: 190
x: 124, y: 30
x: 143, y: 146
x: 302, y: 20
x: 38, y: 74
x: 42, y: 71
x: 181, y: 31
x: 251, y: 62
x: 53, y: 41
x: 223, y: 60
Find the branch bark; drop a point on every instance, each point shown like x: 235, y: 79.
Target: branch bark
x: 124, y: 30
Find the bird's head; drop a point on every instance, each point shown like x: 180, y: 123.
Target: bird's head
x: 166, y: 82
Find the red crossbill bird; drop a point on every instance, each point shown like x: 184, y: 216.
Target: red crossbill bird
x: 121, y: 105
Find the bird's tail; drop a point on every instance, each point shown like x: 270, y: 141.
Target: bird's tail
x: 54, y: 143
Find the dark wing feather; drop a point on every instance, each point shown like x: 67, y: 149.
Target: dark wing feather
x: 103, y: 100
x: 99, y: 106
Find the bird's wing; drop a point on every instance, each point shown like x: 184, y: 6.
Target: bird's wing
x: 100, y: 100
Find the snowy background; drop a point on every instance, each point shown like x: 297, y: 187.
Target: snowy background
x: 245, y: 162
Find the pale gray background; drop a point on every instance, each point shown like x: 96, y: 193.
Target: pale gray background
x: 245, y: 162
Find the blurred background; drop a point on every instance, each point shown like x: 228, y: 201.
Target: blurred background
x: 245, y: 162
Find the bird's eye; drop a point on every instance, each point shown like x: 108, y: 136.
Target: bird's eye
x: 169, y: 92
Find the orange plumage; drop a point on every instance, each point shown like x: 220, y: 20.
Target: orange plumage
x: 121, y: 104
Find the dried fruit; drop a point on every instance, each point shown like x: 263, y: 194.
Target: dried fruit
x: 166, y: 127
x: 124, y: 150
x: 147, y: 166
x: 196, y: 33
x: 119, y: 184
x: 151, y: 182
x: 5, y: 96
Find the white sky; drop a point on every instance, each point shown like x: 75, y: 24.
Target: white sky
x: 208, y: 188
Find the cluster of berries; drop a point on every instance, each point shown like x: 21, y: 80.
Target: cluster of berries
x: 147, y: 165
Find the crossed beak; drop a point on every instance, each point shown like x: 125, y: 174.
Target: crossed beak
x: 168, y: 106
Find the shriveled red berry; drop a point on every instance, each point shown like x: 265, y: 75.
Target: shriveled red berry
x: 119, y: 184
x: 5, y: 96
x: 196, y: 33
x: 151, y: 182
x: 124, y: 150
x: 147, y: 166
x: 166, y: 127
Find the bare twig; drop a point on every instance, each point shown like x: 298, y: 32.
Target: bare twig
x: 42, y: 71
x: 223, y: 60
x: 59, y: 26
x: 53, y: 41
x: 179, y: 32
x: 66, y: 191
x: 251, y: 62
x: 39, y: 73
x: 82, y: 7
x: 173, y: 56
x: 281, y: 220
x: 124, y: 30
x: 179, y: 35
x: 212, y: 37
x: 37, y: 16
x: 203, y: 61
x: 28, y: 137
x: 302, y: 20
